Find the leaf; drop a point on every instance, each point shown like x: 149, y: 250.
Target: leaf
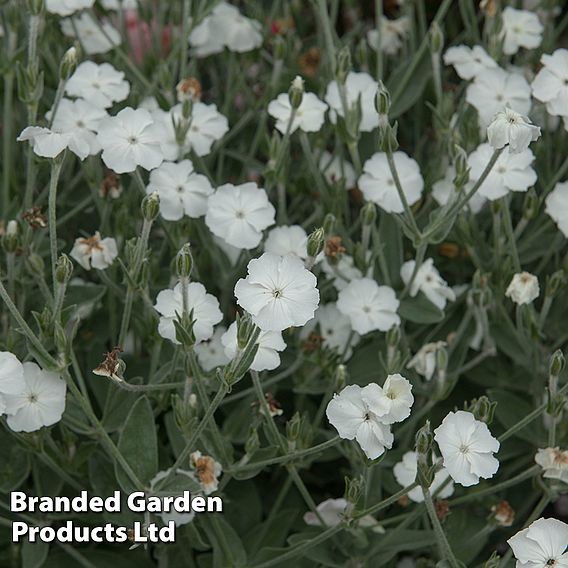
x: 512, y: 409
x: 273, y: 536
x: 420, y: 310
x: 34, y: 554
x: 81, y: 294
x: 231, y: 544
x: 411, y: 93
x: 15, y: 463
x: 138, y: 444
x: 390, y: 239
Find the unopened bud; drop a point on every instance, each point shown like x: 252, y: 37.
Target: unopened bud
x: 68, y: 64
x: 436, y: 38
x: 253, y: 442
x: 151, y: 206
x: 184, y: 262
x: 187, y: 108
x: 316, y: 242
x: 245, y: 329
x: 362, y: 54
x: 461, y: 166
x: 482, y: 408
x: 293, y: 427
x: 530, y: 204
x: 341, y: 377
x: 63, y: 269
x: 296, y: 92
x: 329, y: 224
x: 188, y: 89
x: 279, y: 48
x: 441, y: 359
x: 353, y: 489
x: 369, y: 214
x: 554, y: 282
x: 382, y: 100
x: 424, y: 439
x: 393, y: 336
x: 36, y: 264
x: 11, y: 239
x: 343, y: 65
x: 557, y: 363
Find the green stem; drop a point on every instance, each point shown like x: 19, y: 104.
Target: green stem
x: 7, y: 121
x: 185, y: 15
x: 445, y: 548
x: 378, y: 25
x: 56, y: 166
x: 505, y: 204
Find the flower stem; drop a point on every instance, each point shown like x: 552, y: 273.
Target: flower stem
x: 443, y: 544
x: 56, y: 166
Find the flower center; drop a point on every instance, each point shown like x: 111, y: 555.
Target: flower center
x: 551, y: 562
x: 32, y: 397
x: 501, y: 170
x: 390, y: 181
x: 179, y: 188
x: 366, y: 309
x: 80, y: 124
x: 391, y: 395
x: 132, y: 140
x: 464, y: 449
x: 239, y: 214
x: 277, y: 293
x: 95, y: 85
x: 499, y: 98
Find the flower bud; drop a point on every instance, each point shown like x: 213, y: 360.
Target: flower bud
x: 343, y: 64
x: 293, y: 427
x: 388, y: 139
x: 253, y: 442
x: 482, y: 408
x: 184, y: 262
x: 35, y: 7
x: 186, y: 111
x: 296, y: 92
x: 279, y: 48
x: 59, y: 337
x: 183, y: 325
x: 11, y: 239
x: 353, y: 489
x: 557, y: 363
x: 341, y: 377
x: 316, y: 242
x: 461, y: 167
x: 63, y: 269
x: 493, y: 562
x: 424, y: 439
x: 68, y: 64
x: 369, y: 214
x: 554, y: 282
x: 436, y: 38
x: 441, y: 359
x: 36, y: 264
x: 530, y: 204
x: 382, y: 100
x: 151, y: 206
x: 245, y: 329
x: 362, y: 54
x: 188, y: 89
x: 393, y: 336
x: 329, y: 224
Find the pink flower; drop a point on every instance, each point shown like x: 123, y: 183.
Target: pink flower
x: 139, y: 34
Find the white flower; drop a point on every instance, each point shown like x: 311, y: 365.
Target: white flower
x: 444, y: 192
x: 207, y: 125
x: 269, y: 345
x: 467, y: 447
x: 424, y: 360
x: 369, y: 306
x: 94, y: 252
x: 335, y: 329
x: 130, y: 139
x: 337, y: 170
x: 356, y: 85
x: 67, y: 7
x: 349, y: 413
x: 225, y: 27
x: 332, y: 512
x: 239, y: 213
x: 89, y: 34
x: 541, y: 545
x: 278, y: 292
x: 45, y: 142
x: 181, y: 190
x: 285, y: 240
x: 557, y: 206
x: 523, y: 288
x: 179, y: 519
x: 428, y: 281
x: 510, y: 127
x: 81, y: 120
x: 469, y: 61
x: 550, y: 85
x: 40, y: 400
x: 494, y: 89
x: 11, y: 374
x: 210, y: 353
x: 377, y: 183
x: 342, y: 270
x: 554, y: 463
x: 393, y: 33
x: 391, y: 402
x: 511, y: 172
x: 205, y: 307
x: 117, y: 5
x: 207, y: 471
x: 101, y: 85
x: 521, y: 28
x: 405, y: 474
x: 309, y: 117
